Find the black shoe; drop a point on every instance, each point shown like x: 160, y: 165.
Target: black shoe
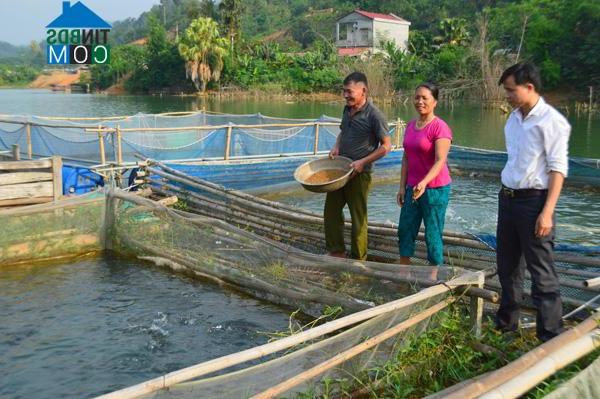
x: 547, y: 336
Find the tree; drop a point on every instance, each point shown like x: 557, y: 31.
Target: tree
x: 231, y: 14
x: 203, y: 50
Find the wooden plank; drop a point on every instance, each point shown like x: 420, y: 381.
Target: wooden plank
x: 25, y: 201
x: 57, y: 180
x: 27, y: 190
x: 24, y: 177
x: 17, y: 165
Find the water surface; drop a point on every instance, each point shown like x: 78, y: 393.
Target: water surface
x: 86, y: 328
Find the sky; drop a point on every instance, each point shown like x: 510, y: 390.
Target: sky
x: 22, y: 21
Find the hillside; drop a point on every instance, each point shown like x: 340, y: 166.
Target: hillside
x: 9, y: 51
x: 46, y: 80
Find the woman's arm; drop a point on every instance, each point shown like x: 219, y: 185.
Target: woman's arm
x: 403, y: 177
x: 442, y: 147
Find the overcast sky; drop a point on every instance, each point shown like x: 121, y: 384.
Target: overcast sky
x: 22, y: 21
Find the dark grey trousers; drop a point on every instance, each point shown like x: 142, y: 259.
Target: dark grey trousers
x: 517, y: 248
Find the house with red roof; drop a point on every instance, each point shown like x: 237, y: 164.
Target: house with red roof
x: 362, y: 31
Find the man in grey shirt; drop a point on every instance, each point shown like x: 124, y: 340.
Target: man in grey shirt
x: 364, y: 139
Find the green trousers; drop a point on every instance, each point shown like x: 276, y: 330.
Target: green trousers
x: 355, y: 194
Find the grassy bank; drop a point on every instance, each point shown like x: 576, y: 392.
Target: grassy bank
x: 442, y: 357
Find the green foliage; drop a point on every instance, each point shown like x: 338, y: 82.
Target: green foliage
x: 286, y: 44
x: 560, y: 37
x: 440, y: 357
x: 408, y: 69
x: 263, y: 64
x: 17, y: 75
x: 203, y: 50
x: 231, y: 13
x: 160, y: 66
x: 124, y: 60
x: 452, y: 31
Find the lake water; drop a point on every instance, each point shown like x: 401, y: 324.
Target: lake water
x: 472, y: 124
x: 86, y: 328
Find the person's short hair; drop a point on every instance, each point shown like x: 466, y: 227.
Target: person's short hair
x: 356, y: 77
x: 523, y: 72
x: 435, y: 92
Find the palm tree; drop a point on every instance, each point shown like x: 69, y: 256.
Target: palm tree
x: 203, y: 50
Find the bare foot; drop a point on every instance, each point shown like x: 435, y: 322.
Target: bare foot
x: 404, y: 260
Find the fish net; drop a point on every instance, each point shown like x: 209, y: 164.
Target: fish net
x: 304, y: 229
x: 280, y: 273
x: 375, y: 296
x: 69, y: 228
x: 196, y: 136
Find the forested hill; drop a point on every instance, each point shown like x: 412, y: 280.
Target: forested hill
x: 562, y: 36
x: 287, y: 46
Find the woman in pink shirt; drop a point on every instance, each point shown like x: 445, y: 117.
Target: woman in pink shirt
x: 425, y: 180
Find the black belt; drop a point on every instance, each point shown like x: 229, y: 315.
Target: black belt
x: 522, y: 192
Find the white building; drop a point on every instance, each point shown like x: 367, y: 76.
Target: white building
x: 362, y: 31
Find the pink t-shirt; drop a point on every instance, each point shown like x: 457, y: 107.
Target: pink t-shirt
x: 419, y: 147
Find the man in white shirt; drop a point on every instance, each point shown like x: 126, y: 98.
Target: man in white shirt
x: 537, y: 137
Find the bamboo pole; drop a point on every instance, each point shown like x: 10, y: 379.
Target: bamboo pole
x: 546, y: 367
x: 476, y: 309
x: 215, y: 127
x: 44, y: 125
x: 101, y: 149
x: 289, y: 213
x: 457, y: 257
x: 452, y: 239
x: 258, y: 223
x: 391, y: 227
x: 316, y: 145
x: 28, y: 136
x: 398, y: 133
x: 506, y: 373
x: 593, y: 282
x: 84, y: 118
x: 16, y: 154
x: 258, y: 352
x: 119, y: 147
x: 315, y: 371
x: 334, y: 265
x: 57, y: 189
x: 227, y: 143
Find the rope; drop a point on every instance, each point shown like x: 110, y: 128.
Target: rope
x: 169, y: 148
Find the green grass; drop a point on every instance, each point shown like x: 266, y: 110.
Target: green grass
x: 441, y: 357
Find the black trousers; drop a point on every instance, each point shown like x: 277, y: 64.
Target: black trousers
x: 517, y: 248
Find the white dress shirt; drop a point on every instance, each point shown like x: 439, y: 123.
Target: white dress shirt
x: 536, y: 146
